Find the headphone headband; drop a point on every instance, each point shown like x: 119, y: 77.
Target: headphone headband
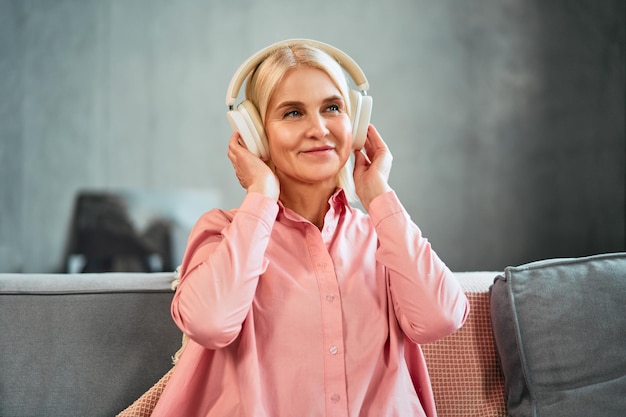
x: 351, y: 67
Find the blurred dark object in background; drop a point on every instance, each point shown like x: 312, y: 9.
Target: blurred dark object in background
x: 103, y: 238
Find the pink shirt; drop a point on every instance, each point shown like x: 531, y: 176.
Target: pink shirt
x: 288, y: 320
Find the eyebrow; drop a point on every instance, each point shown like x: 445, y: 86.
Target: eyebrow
x: 289, y: 104
x: 294, y: 103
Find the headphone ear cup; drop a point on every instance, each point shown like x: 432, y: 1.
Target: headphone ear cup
x: 247, y: 122
x: 255, y: 125
x: 361, y: 114
x: 238, y: 123
x: 355, y: 113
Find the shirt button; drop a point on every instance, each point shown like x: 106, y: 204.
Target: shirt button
x: 335, y: 398
x: 330, y: 298
x: 333, y: 350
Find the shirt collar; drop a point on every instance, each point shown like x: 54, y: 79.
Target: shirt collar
x: 338, y: 205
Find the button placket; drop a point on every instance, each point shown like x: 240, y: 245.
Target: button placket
x: 332, y: 324
x: 328, y: 232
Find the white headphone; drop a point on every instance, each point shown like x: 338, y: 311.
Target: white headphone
x: 247, y: 121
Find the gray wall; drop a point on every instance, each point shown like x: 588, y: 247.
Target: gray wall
x: 505, y: 118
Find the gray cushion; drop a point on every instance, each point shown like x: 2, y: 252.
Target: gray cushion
x: 82, y: 345
x: 560, y: 331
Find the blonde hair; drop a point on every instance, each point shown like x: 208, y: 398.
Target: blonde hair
x: 264, y: 79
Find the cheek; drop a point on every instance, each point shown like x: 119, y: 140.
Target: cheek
x: 280, y: 140
x: 344, y: 132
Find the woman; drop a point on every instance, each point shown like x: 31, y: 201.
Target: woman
x: 296, y: 303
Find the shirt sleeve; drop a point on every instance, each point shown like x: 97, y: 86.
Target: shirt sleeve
x: 428, y: 301
x: 224, y: 258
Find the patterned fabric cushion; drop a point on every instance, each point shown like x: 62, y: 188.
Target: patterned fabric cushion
x: 464, y: 368
x: 144, y: 405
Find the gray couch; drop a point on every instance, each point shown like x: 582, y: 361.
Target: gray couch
x: 82, y: 344
x: 91, y: 344
x: 542, y: 339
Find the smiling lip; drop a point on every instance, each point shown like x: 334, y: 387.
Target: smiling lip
x: 318, y: 150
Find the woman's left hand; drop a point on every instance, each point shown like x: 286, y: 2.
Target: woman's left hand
x: 371, y: 170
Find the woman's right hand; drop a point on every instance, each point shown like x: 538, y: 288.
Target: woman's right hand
x: 253, y: 174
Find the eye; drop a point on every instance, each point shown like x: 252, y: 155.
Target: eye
x: 292, y: 113
x: 335, y: 107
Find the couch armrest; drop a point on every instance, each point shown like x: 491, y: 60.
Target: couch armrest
x: 464, y: 367
x: 82, y: 344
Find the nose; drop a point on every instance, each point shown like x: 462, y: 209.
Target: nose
x: 316, y: 126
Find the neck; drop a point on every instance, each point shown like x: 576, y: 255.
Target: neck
x: 309, y: 201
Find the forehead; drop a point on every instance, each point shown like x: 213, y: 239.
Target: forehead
x: 304, y: 83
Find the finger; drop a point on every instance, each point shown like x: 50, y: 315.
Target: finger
x: 373, y: 143
x: 369, y: 142
x: 234, y: 138
x: 374, y: 138
x: 237, y: 145
x: 240, y: 141
x: 360, y: 159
